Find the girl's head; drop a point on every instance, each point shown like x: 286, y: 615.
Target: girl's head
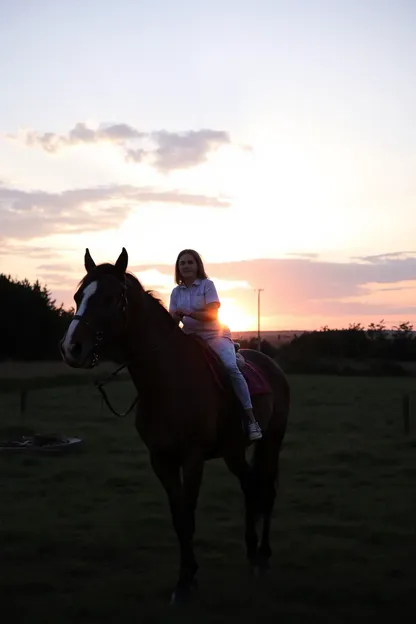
x: 189, y: 266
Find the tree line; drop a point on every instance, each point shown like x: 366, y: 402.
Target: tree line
x: 374, y: 350
x: 32, y: 325
x: 31, y: 322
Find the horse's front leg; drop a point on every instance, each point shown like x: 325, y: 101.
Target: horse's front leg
x: 183, y: 497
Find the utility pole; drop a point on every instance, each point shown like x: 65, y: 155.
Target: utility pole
x: 259, y: 290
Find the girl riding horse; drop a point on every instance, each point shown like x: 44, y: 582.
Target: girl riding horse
x: 195, y: 302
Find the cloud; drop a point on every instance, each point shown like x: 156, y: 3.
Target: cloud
x: 224, y: 284
x: 187, y: 149
x: 154, y: 279
x: 55, y: 279
x: 54, y: 266
x: 308, y: 288
x: 12, y: 248
x: 136, y: 155
x: 302, y: 255
x: 167, y: 151
x: 81, y: 133
x: 30, y: 214
x: 382, y: 258
x: 298, y: 293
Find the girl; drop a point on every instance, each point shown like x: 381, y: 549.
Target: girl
x: 195, y: 302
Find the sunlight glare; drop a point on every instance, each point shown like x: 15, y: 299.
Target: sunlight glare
x: 234, y: 316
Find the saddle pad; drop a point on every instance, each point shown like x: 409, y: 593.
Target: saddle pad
x: 257, y: 383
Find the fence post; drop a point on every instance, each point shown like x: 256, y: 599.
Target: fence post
x: 406, y: 413
x: 23, y: 401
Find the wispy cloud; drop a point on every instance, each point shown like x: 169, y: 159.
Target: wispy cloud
x: 12, y: 248
x: 162, y: 278
x: 187, y: 149
x: 81, y: 133
x: 53, y: 279
x: 155, y: 279
x: 225, y: 284
x: 302, y: 255
x: 310, y: 288
x: 310, y: 293
x: 387, y: 257
x: 55, y: 266
x: 166, y: 151
x: 29, y: 214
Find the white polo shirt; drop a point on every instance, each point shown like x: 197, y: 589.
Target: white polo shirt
x: 194, y: 299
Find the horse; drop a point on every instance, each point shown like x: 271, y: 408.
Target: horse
x: 187, y: 412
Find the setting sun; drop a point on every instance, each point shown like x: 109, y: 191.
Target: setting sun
x: 231, y: 314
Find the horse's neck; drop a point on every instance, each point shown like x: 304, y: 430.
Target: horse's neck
x: 150, y: 329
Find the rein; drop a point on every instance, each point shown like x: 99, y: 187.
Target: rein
x: 100, y: 383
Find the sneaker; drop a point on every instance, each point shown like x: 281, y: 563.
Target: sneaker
x: 254, y: 431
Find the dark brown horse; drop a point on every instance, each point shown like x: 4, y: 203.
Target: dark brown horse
x: 187, y: 414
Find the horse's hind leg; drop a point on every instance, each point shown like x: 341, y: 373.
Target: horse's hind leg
x: 266, y: 474
x: 238, y: 466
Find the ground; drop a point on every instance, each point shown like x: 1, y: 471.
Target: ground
x: 87, y: 537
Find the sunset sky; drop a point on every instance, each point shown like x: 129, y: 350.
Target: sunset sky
x: 278, y: 138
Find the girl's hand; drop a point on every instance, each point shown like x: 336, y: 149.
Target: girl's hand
x: 181, y: 313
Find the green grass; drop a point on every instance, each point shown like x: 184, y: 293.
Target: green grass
x: 87, y: 537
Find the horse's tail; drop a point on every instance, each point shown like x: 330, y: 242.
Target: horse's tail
x: 277, y: 380
x: 266, y: 455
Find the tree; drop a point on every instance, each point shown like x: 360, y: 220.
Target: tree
x: 32, y: 324
x: 403, y: 331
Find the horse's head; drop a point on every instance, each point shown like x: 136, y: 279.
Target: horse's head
x: 101, y: 312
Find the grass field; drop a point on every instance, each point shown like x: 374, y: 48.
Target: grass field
x: 87, y: 537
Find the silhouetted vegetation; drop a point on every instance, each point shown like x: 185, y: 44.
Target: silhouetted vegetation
x: 30, y: 320
x: 351, y: 351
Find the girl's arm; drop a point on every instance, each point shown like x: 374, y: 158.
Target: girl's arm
x: 212, y: 303
x: 209, y: 314
x: 175, y: 313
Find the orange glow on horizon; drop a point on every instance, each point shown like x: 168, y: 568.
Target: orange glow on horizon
x: 233, y: 315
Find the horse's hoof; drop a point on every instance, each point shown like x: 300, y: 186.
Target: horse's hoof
x: 263, y: 568
x: 183, y: 592
x: 258, y: 568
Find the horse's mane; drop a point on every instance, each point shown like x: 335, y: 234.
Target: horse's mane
x: 152, y: 298
x: 108, y: 269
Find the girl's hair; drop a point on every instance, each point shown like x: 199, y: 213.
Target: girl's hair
x: 200, y: 265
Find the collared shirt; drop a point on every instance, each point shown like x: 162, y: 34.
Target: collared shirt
x: 194, y: 299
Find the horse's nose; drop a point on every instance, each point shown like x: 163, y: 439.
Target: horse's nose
x: 75, y: 349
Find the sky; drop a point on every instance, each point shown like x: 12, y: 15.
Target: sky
x: 277, y: 138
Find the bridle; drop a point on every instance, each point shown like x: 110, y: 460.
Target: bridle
x: 99, y: 333
x: 98, y: 338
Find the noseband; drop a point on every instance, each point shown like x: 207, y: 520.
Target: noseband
x: 98, y: 336
x: 99, y: 333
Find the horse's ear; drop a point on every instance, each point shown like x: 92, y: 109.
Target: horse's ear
x: 88, y: 261
x: 122, y: 262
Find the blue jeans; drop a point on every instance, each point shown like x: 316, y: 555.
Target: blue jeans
x: 224, y: 347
